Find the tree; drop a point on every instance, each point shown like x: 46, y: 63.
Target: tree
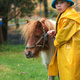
x: 45, y: 4
x: 10, y: 9
x: 45, y: 8
x: 40, y: 1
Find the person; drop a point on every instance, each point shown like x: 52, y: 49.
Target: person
x: 67, y: 42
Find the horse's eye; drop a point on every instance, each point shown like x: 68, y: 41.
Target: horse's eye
x: 37, y: 36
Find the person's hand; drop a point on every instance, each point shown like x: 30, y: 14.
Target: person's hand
x: 51, y: 33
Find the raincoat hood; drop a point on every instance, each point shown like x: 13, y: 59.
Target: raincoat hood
x: 71, y: 13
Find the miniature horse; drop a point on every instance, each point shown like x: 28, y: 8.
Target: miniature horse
x: 38, y: 41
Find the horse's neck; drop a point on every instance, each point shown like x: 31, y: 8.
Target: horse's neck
x: 47, y: 54
x: 51, y: 45
x: 50, y: 40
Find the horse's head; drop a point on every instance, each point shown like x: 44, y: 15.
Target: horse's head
x: 34, y: 32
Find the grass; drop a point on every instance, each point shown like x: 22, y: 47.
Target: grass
x: 14, y: 65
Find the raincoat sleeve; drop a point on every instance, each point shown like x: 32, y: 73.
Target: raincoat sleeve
x: 67, y: 30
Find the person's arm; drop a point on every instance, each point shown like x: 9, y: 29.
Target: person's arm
x: 67, y: 30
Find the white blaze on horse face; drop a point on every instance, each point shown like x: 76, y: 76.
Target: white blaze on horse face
x: 27, y: 45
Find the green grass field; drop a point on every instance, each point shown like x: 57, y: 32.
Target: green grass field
x: 14, y: 65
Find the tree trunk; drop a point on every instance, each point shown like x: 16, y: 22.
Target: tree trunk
x: 4, y: 28
x: 3, y: 14
x: 45, y: 8
x: 1, y: 35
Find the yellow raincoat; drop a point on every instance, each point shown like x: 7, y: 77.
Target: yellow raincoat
x: 67, y: 42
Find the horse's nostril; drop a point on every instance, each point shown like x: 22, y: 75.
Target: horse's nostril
x: 29, y: 53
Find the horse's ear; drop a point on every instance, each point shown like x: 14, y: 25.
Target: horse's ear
x: 38, y: 23
x: 43, y: 21
x: 27, y: 21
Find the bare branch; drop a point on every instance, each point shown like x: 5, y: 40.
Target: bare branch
x: 14, y: 16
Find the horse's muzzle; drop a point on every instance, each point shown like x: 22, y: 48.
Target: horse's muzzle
x: 28, y: 54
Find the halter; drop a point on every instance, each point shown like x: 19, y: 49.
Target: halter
x: 44, y: 37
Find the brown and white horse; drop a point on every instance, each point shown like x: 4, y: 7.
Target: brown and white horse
x: 38, y: 41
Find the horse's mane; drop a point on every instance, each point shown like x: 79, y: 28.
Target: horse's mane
x: 48, y: 24
x: 30, y: 26
x: 27, y: 30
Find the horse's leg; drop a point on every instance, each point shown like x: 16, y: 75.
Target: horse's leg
x: 50, y: 77
x: 46, y: 60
